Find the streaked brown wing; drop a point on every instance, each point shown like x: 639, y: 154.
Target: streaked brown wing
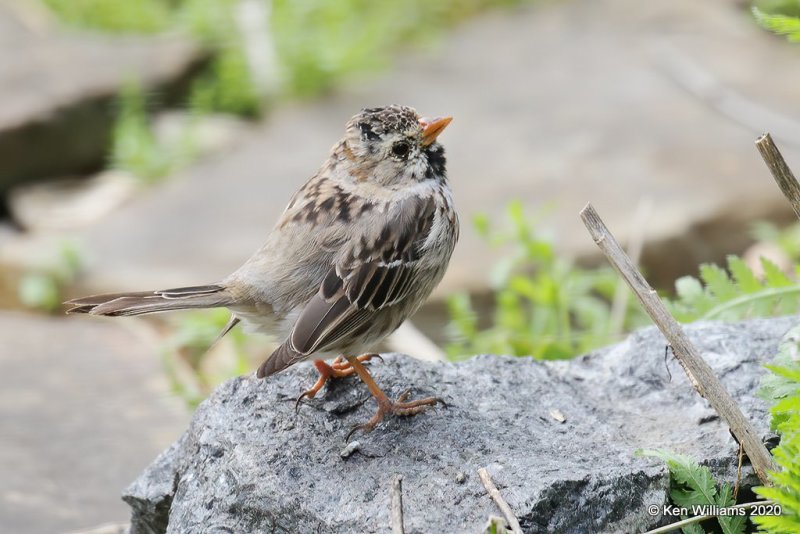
x: 375, y: 271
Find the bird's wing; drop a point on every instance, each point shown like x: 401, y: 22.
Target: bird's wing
x: 374, y: 269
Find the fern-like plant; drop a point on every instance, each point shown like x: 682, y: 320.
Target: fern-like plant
x: 693, y: 486
x: 735, y: 294
x: 783, y: 388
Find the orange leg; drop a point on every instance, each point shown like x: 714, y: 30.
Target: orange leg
x: 385, y: 405
x: 337, y: 369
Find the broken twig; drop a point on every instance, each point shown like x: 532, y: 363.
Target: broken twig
x: 397, y: 505
x: 738, y: 473
x: 501, y: 503
x: 780, y: 171
x: 700, y: 374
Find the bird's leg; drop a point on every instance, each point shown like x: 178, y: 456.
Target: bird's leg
x: 385, y: 405
x: 339, y: 368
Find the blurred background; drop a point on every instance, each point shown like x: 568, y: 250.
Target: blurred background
x: 152, y: 144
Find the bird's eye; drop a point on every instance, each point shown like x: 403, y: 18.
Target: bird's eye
x: 401, y: 149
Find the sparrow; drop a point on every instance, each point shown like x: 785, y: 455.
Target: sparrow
x: 358, y: 249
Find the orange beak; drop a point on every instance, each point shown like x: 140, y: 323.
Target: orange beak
x: 431, y: 128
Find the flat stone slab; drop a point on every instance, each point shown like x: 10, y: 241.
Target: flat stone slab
x: 84, y: 405
x: 58, y: 85
x: 555, y: 103
x: 558, y: 438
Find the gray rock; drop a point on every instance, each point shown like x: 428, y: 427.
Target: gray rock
x: 58, y: 87
x: 84, y: 407
x: 249, y: 464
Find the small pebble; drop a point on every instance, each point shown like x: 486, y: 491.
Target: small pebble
x: 351, y: 447
x: 461, y: 477
x: 557, y: 415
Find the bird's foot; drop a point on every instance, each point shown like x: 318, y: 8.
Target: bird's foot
x: 338, y: 368
x: 397, y: 407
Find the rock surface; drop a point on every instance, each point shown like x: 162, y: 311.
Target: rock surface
x: 248, y: 463
x: 57, y: 87
x: 84, y: 406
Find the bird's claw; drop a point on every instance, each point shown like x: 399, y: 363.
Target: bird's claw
x: 338, y: 368
x: 398, y: 407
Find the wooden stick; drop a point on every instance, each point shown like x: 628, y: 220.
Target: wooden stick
x: 511, y: 519
x: 397, y: 505
x: 780, y: 171
x: 700, y: 374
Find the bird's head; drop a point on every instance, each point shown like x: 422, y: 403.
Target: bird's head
x: 395, y: 147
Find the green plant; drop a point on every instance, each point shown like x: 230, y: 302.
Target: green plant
x: 134, y: 146
x: 545, y: 306
x: 319, y: 42
x: 139, y: 16
x: 787, y: 239
x: 692, y: 486
x: 496, y: 525
x: 734, y: 294
x: 228, y: 86
x: 43, y: 289
x: 779, y: 16
x: 782, y: 387
x: 195, y: 364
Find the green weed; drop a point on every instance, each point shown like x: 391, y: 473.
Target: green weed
x: 545, y: 306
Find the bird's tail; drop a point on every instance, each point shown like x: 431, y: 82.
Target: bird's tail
x: 142, y: 302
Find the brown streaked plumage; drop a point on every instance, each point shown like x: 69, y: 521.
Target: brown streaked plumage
x: 358, y: 249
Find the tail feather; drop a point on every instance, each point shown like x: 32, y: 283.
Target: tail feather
x: 143, y: 302
x: 280, y: 359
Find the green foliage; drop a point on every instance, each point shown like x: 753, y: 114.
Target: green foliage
x: 317, y: 42
x: 735, y: 294
x: 186, y: 354
x: 545, y: 306
x: 781, y: 17
x: 320, y: 42
x: 227, y: 83
x: 195, y: 365
x: 134, y: 146
x: 139, y: 16
x: 43, y: 289
x: 228, y: 86
x: 496, y: 525
x: 693, y: 485
x: 786, y: 491
x: 787, y: 239
x: 783, y: 388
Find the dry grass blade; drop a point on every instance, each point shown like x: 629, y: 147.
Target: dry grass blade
x: 397, y: 505
x: 511, y: 519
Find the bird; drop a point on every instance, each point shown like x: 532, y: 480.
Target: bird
x: 358, y: 249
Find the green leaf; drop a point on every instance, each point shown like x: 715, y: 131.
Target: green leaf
x: 780, y: 24
x: 773, y: 275
x: 693, y: 528
x: 729, y: 524
x: 689, y: 289
x: 718, y: 282
x: 39, y: 291
x: 481, y: 224
x: 744, y: 277
x: 735, y: 297
x: 783, y: 385
x: 693, y: 484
